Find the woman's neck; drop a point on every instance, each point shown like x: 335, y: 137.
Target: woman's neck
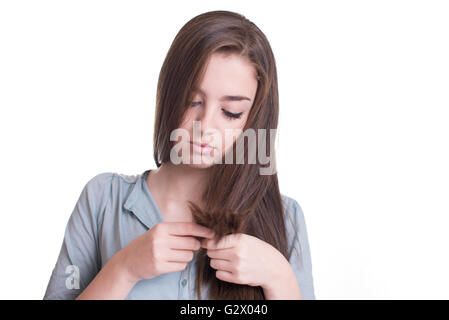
x: 174, y: 185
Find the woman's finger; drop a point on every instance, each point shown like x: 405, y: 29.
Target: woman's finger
x: 179, y: 255
x: 190, y: 229
x: 184, y: 243
x: 225, y: 276
x: 227, y: 241
x: 224, y: 265
x: 224, y: 254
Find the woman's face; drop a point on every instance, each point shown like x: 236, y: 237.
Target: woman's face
x: 221, y: 105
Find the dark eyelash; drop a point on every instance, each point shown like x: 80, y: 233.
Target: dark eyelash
x: 232, y: 116
x: 229, y: 115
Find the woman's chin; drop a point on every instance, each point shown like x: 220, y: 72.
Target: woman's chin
x: 202, y: 162
x: 200, y: 166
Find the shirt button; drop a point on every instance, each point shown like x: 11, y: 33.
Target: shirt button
x: 184, y: 282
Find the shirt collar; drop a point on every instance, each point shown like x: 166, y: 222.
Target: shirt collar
x: 141, y: 203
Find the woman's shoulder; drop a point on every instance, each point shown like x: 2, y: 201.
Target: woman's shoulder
x: 293, y: 213
x: 102, y: 181
x: 102, y: 187
x: 291, y: 206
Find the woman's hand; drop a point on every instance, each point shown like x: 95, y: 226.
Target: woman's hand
x: 165, y: 248
x: 244, y: 259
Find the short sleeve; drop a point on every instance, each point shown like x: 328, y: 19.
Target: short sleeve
x: 299, y: 249
x: 79, y: 257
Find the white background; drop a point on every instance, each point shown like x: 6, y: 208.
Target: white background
x: 363, y: 134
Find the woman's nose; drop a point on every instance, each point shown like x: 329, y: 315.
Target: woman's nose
x: 206, y: 117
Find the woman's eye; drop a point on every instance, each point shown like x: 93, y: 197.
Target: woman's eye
x: 232, y: 116
x: 229, y: 115
x: 195, y: 103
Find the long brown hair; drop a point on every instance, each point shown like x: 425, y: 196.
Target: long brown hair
x: 243, y: 200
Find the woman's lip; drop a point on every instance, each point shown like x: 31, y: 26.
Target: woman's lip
x: 202, y: 145
x: 198, y: 148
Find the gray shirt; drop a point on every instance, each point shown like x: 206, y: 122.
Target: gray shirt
x: 112, y: 210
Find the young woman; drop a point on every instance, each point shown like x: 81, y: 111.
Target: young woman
x: 143, y: 236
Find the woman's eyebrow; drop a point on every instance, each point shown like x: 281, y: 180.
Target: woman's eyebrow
x: 225, y: 98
